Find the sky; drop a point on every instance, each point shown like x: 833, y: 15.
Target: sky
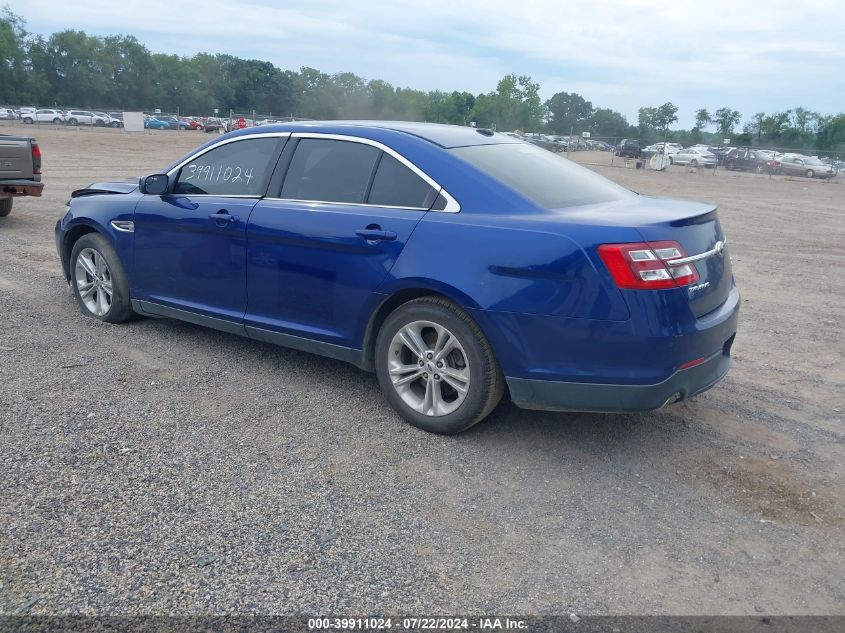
x: 762, y: 56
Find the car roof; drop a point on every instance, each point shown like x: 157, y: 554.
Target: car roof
x: 446, y: 136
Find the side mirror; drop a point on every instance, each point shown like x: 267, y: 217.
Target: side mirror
x: 155, y: 185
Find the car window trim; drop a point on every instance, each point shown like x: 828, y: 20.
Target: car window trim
x: 452, y: 205
x: 175, y: 171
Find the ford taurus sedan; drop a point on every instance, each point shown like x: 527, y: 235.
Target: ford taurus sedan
x: 456, y: 263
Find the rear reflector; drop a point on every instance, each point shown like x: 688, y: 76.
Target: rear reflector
x: 691, y: 363
x: 642, y: 265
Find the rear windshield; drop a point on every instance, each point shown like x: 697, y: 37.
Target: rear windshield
x: 547, y: 179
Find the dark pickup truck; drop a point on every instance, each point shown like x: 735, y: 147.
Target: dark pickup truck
x: 20, y: 170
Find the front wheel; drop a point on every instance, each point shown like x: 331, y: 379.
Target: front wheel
x: 28, y: 120
x: 693, y: 163
x: 58, y: 121
x: 810, y: 173
x: 115, y: 124
x: 98, y: 280
x: 435, y: 366
x: 5, y: 206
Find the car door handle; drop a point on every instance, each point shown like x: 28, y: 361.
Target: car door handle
x: 376, y: 235
x: 222, y: 216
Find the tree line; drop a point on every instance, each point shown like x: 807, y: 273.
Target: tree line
x: 73, y: 69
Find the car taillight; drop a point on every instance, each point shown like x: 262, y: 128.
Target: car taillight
x: 647, y: 265
x: 36, y: 158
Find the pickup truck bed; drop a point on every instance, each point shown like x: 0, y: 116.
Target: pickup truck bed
x: 20, y: 170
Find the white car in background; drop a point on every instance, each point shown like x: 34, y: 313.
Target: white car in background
x: 694, y: 157
x: 662, y: 148
x: 86, y: 117
x: 111, y: 121
x: 7, y: 114
x: 44, y: 115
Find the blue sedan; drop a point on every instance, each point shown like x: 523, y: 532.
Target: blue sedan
x: 456, y: 263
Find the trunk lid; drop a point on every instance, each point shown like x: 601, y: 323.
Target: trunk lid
x: 695, y: 226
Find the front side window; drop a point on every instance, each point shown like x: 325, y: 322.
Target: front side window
x: 328, y: 170
x: 240, y: 168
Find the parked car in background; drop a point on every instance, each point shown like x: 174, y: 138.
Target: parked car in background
x: 810, y: 167
x: 155, y: 123
x: 629, y: 148
x: 660, y: 148
x: 85, y: 117
x: 550, y: 282
x: 747, y: 159
x: 546, y: 142
x: 110, y: 120
x: 7, y: 114
x: 214, y: 124
x: 719, y: 151
x: 44, y: 115
x: 694, y: 157
x: 189, y: 123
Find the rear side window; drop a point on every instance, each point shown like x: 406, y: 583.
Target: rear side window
x: 326, y: 170
x: 240, y: 168
x: 397, y: 186
x: 541, y: 176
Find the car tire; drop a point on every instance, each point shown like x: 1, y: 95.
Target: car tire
x: 99, y: 123
x: 693, y: 163
x: 671, y: 161
x: 57, y: 121
x: 731, y: 165
x: 114, y: 124
x: 425, y: 323
x: 73, y: 122
x: 5, y: 206
x: 28, y: 120
x: 95, y: 264
x: 809, y: 173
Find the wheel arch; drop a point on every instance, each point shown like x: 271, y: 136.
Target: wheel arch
x: 398, y: 296
x: 69, y: 239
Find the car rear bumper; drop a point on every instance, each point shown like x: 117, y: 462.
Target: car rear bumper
x: 552, y: 395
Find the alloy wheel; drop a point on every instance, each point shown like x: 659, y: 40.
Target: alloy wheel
x: 94, y: 281
x: 429, y: 368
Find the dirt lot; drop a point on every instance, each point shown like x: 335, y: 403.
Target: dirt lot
x: 159, y: 467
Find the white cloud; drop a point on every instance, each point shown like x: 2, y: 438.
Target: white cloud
x: 621, y: 54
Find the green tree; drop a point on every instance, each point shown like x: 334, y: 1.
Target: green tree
x: 726, y: 120
x: 569, y: 111
x: 13, y: 76
x: 702, y: 118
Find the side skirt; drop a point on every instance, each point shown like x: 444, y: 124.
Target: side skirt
x: 329, y: 350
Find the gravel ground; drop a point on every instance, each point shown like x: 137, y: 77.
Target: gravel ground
x: 161, y: 468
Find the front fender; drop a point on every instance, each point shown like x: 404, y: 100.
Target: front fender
x: 96, y: 213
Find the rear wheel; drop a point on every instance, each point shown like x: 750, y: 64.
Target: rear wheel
x: 99, y: 123
x: 58, y: 121
x: 810, y: 173
x: 98, y: 280
x: 435, y: 366
x: 5, y: 206
x: 70, y: 121
x: 115, y: 124
x: 693, y: 163
x: 28, y: 120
